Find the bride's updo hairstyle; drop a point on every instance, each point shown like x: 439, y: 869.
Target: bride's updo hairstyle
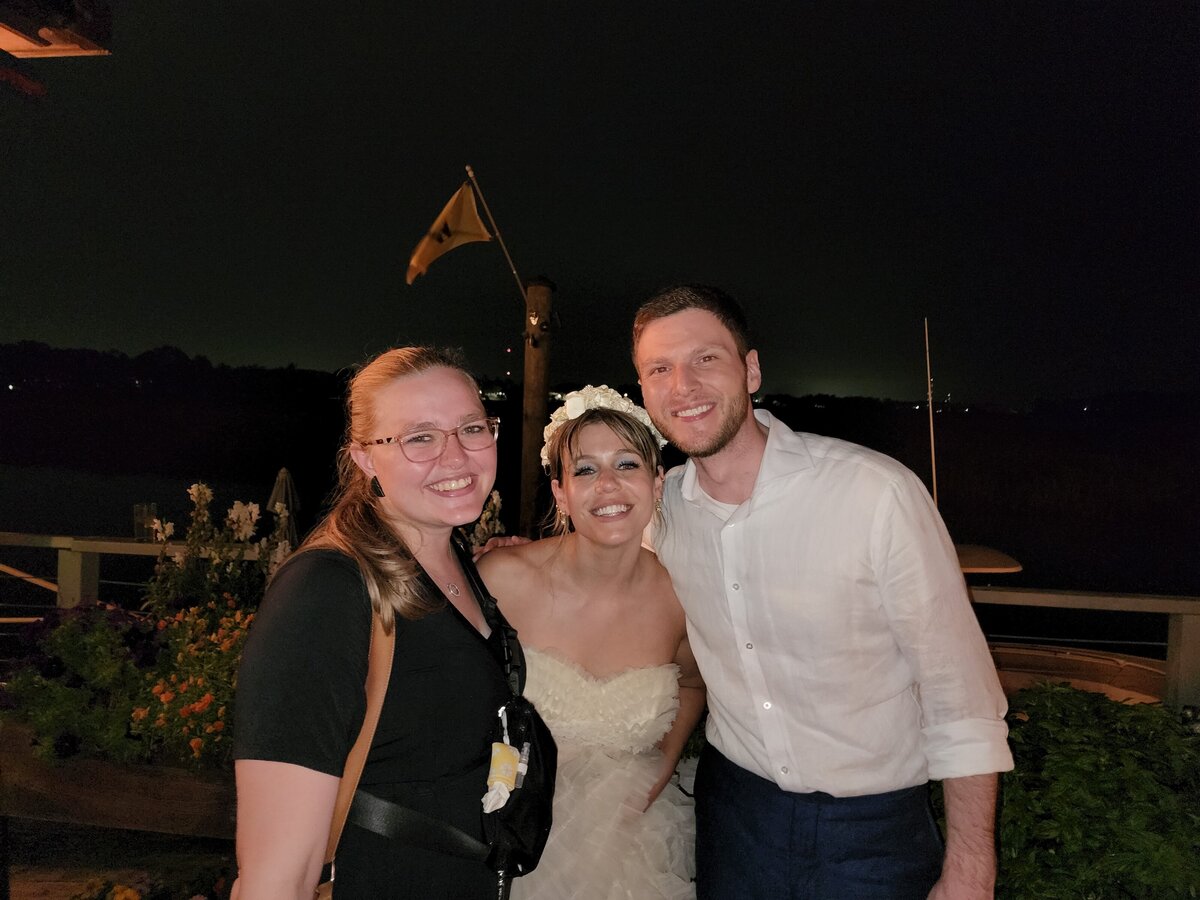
x: 355, y: 525
x: 564, y: 445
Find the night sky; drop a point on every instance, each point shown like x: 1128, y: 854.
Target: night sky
x: 250, y: 186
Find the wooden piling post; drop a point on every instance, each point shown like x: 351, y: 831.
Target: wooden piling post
x: 538, y: 308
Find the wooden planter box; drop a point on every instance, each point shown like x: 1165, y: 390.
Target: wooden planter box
x: 109, y: 795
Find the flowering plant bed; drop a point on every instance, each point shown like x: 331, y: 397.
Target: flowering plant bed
x: 154, y: 685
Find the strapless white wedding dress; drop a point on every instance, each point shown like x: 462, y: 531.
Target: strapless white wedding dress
x: 602, y: 846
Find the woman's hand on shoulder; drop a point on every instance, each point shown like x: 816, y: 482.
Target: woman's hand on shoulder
x: 494, y: 543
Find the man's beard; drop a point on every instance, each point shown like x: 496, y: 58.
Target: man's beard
x: 733, y: 414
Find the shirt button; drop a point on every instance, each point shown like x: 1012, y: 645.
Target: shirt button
x: 783, y: 769
x: 736, y: 586
x: 767, y: 705
x: 749, y: 646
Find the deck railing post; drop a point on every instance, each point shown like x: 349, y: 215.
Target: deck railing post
x: 1183, y: 660
x: 78, y: 578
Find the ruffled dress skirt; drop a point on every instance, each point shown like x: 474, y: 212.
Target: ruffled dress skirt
x: 603, y: 846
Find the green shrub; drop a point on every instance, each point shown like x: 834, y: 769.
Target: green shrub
x: 80, y: 686
x: 1104, y: 801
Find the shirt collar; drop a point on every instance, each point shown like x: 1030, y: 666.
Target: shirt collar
x: 786, y: 452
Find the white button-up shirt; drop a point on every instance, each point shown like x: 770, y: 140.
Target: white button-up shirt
x: 832, y: 624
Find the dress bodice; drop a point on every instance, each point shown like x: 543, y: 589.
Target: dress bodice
x: 628, y: 712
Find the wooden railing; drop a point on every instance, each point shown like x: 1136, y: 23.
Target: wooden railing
x: 79, y: 583
x: 1183, y: 626
x: 79, y: 559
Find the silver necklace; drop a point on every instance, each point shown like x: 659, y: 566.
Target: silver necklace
x: 452, y: 589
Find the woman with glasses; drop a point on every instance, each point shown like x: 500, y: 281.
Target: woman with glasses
x: 419, y: 460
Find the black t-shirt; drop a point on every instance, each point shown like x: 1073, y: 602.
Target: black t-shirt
x: 301, y: 699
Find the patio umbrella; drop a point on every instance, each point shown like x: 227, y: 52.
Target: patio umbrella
x: 285, y: 492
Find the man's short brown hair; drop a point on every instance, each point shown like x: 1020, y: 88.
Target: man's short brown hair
x: 694, y: 296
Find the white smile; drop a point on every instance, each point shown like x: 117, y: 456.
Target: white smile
x: 614, y: 509
x: 453, y: 484
x: 694, y: 411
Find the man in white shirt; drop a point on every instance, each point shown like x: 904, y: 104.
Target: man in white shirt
x: 844, y: 665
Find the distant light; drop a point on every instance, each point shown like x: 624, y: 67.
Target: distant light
x: 1085, y: 409
x: 918, y: 406
x: 508, y: 349
x: 507, y: 373
x: 10, y: 387
x: 966, y: 409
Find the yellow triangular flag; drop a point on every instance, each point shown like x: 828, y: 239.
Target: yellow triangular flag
x: 459, y: 223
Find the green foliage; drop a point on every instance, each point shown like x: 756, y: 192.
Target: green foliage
x: 1104, y: 801
x: 79, y: 694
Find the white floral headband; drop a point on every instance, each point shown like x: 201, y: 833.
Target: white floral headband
x: 576, y: 403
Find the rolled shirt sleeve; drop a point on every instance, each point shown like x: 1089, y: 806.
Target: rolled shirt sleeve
x: 925, y: 600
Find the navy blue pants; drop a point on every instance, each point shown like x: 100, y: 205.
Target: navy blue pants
x: 756, y: 841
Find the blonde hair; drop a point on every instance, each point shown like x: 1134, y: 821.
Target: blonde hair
x: 355, y: 524
x: 565, y: 442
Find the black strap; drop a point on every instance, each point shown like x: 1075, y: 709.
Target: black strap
x: 413, y: 828
x: 513, y: 656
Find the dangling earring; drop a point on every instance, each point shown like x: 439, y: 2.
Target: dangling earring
x: 564, y: 519
x: 376, y: 487
x: 658, y: 505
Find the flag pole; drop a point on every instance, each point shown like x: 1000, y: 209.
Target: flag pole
x: 929, y: 398
x: 512, y: 268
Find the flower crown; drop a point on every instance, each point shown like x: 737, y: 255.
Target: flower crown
x: 578, y: 402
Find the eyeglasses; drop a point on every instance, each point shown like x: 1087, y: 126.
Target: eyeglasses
x: 425, y: 444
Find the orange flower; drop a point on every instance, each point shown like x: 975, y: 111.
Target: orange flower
x: 203, y: 703
x: 157, y: 689
x: 196, y: 744
x: 166, y: 696
x: 218, y: 725
x: 140, y: 713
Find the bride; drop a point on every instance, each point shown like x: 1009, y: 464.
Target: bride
x: 609, y: 666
